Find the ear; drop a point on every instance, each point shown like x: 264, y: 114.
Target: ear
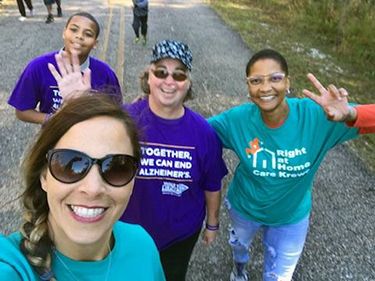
x: 43, y: 180
x: 63, y: 34
x: 288, y: 83
x: 96, y: 44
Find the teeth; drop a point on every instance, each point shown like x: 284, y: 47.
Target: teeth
x: 268, y: 98
x: 87, y: 212
x: 168, y: 91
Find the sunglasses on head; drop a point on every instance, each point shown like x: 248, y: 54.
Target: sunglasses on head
x: 177, y: 75
x: 70, y: 166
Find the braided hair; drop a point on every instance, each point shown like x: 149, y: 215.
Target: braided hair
x: 36, y: 243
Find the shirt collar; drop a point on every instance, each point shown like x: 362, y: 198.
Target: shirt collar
x: 84, y: 65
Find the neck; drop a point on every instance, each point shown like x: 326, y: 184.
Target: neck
x: 81, y: 59
x: 95, y: 251
x: 276, y: 118
x: 166, y: 112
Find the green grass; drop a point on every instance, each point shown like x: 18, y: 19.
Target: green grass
x: 333, y: 41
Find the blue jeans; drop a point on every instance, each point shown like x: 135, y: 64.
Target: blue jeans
x: 283, y: 244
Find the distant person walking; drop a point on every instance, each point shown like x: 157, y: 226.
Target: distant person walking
x: 140, y: 15
x: 21, y: 8
x: 48, y: 4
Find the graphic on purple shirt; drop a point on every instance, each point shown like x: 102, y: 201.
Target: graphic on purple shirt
x: 36, y: 84
x: 181, y: 159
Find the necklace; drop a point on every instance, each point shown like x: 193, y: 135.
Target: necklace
x: 71, y: 272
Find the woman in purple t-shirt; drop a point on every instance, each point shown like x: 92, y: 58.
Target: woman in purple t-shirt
x: 178, y: 184
x: 36, y: 95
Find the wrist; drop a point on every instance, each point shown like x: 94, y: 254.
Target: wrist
x: 46, y: 118
x: 212, y: 227
x: 352, y: 115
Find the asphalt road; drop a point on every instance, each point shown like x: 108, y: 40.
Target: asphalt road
x: 341, y: 241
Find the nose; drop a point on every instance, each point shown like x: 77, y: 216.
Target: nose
x: 169, y: 78
x: 92, y: 184
x: 79, y: 35
x: 265, y: 86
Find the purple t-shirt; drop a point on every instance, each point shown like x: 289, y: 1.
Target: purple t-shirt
x: 37, y: 85
x: 181, y: 159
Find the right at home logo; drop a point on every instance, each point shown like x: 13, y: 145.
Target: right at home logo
x: 268, y: 163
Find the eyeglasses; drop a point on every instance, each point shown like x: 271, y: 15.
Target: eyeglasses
x: 273, y: 78
x: 70, y: 166
x: 177, y: 75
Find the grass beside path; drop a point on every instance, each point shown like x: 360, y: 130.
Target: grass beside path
x: 306, y: 40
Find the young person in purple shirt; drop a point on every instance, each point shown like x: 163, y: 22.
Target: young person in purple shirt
x: 36, y: 95
x: 178, y: 183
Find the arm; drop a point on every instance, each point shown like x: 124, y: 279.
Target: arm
x: 31, y: 115
x: 365, y: 119
x: 213, y: 199
x: 333, y: 101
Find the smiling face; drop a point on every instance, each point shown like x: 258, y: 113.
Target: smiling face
x: 82, y: 214
x: 80, y: 36
x: 166, y: 94
x: 269, y: 94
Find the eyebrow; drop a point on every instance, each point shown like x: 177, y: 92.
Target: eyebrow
x: 87, y: 29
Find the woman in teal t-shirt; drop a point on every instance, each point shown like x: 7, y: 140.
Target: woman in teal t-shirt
x: 79, y: 176
x: 280, y: 143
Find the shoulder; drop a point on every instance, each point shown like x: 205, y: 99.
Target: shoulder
x: 305, y: 107
x: 10, y: 242
x: 13, y: 264
x: 98, y: 64
x: 135, y: 108
x: 42, y: 60
x: 129, y: 237
x: 198, y: 122
x: 233, y: 113
x: 131, y: 231
x: 240, y: 109
x: 302, y: 102
x: 48, y: 57
x: 195, y: 116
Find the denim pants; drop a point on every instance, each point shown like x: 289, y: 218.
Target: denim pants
x: 283, y: 244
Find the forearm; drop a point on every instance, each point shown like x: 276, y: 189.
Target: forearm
x: 31, y: 115
x: 213, y: 200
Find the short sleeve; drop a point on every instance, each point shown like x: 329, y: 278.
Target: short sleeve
x: 221, y: 126
x: 215, y: 168
x: 25, y: 94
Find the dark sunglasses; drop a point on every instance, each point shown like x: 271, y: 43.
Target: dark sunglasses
x: 70, y: 166
x: 177, y: 75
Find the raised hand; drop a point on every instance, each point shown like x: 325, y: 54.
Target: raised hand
x: 70, y: 80
x: 333, y: 101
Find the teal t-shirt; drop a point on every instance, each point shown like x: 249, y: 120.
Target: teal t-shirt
x: 134, y: 257
x: 272, y: 183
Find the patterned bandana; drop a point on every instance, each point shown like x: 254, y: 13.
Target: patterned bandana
x: 172, y: 49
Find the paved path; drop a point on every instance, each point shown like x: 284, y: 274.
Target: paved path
x: 341, y: 241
